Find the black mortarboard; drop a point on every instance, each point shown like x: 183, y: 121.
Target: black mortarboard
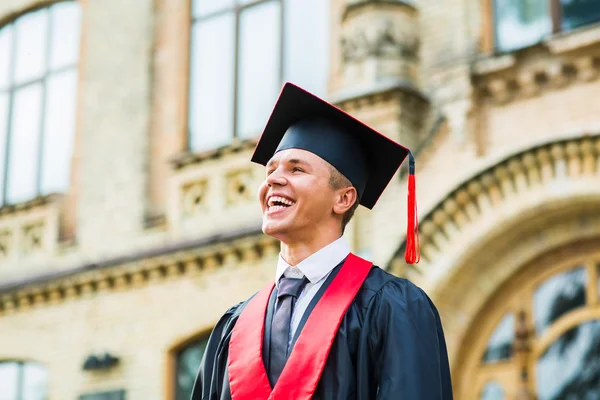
x: 304, y: 121
x: 301, y: 120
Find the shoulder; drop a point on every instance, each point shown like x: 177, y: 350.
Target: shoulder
x: 229, y: 318
x: 382, y: 288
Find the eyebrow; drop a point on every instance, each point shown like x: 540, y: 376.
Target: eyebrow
x: 295, y: 161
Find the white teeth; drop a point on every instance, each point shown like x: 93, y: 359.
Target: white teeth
x: 278, y: 199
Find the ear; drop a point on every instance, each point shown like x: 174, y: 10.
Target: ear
x: 344, y: 199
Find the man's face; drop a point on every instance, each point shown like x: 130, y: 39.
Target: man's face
x: 295, y: 196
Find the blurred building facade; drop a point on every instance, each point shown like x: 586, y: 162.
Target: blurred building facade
x: 129, y: 219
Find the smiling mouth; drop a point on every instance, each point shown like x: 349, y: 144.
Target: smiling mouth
x: 277, y: 203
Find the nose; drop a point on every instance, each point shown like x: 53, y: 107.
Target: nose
x: 277, y: 177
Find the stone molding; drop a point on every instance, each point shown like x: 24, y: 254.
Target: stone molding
x: 379, y: 40
x: 472, y: 200
x: 558, y: 62
x: 115, y: 276
x: 30, y: 230
x: 207, y: 197
x: 353, y: 6
x: 379, y: 92
x: 189, y: 158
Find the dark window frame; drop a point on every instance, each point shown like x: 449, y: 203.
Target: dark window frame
x: 13, y: 88
x: 198, y: 340
x: 237, y: 9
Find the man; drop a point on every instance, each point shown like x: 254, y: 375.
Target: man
x: 332, y: 325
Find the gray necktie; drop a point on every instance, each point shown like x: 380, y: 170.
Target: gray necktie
x: 288, y: 292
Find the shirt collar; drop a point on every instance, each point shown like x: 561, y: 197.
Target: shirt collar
x: 319, y: 264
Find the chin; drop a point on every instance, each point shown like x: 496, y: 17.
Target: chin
x: 276, y: 229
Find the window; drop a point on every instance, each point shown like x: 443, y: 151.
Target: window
x: 557, y: 296
x: 570, y: 367
x: 23, y: 381
x: 39, y: 52
x: 501, y: 342
x: 521, y: 23
x: 241, y: 53
x: 541, y: 338
x: 492, y: 391
x: 188, y: 362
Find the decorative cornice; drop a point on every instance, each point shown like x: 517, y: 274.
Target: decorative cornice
x: 574, y: 40
x: 190, y: 258
x: 354, y: 6
x: 472, y: 199
x: 236, y: 146
x: 378, y: 92
x: 31, y: 204
x: 532, y: 71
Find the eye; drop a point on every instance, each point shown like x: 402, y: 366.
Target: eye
x: 297, y: 169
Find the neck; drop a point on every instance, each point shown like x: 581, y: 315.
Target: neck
x: 294, y: 252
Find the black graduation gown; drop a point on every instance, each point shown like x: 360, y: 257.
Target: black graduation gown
x: 390, y: 345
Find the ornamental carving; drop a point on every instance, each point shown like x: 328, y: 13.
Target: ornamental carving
x: 5, y: 243
x: 385, y: 40
x: 193, y: 197
x: 32, y: 239
x: 239, y: 187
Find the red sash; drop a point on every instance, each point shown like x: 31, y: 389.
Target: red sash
x: 247, y: 376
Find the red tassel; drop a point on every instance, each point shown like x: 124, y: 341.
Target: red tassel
x: 412, y: 254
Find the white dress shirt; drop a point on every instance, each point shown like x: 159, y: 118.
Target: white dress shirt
x: 316, y: 268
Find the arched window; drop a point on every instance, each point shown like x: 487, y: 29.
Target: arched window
x: 187, y: 363
x: 23, y: 381
x: 241, y: 53
x: 39, y: 53
x: 539, y: 337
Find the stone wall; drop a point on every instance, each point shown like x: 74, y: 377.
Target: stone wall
x: 476, y: 122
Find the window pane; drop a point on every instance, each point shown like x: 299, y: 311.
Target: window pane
x: 9, y: 380
x: 211, y: 85
x: 570, y: 368
x: 259, y: 81
x: 59, y: 131
x: 32, y: 32
x: 307, y: 50
x: 204, y: 7
x: 577, y: 13
x: 188, y: 362
x: 3, y: 136
x: 66, y: 20
x: 500, y: 345
x: 5, y: 59
x: 24, y: 143
x: 557, y: 296
x: 492, y: 391
x: 521, y: 23
x: 35, y: 382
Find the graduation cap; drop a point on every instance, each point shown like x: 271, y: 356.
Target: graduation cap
x: 365, y: 157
